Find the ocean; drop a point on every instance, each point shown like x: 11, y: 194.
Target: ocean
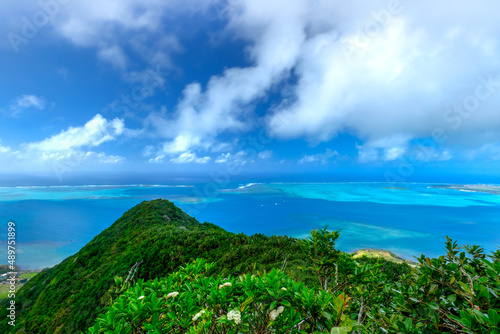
x: 54, y: 222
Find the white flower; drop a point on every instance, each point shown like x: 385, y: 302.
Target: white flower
x: 198, y: 315
x: 141, y: 297
x: 284, y: 289
x: 172, y: 294
x: 275, y: 313
x: 224, y: 285
x: 234, y: 315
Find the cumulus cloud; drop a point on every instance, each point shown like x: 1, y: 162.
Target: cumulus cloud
x: 383, y: 76
x: 223, y: 104
x: 26, y: 101
x: 95, y: 132
x: 386, y: 72
x: 70, y: 150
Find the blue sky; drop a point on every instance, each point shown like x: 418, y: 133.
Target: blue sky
x: 385, y: 90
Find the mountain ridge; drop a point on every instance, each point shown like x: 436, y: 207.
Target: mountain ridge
x: 157, y: 234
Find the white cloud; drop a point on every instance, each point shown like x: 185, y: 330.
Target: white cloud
x: 189, y: 157
x: 264, y: 155
x: 376, y: 72
x: 393, y: 153
x: 221, y: 106
x: 322, y: 158
x: 112, y: 26
x: 26, y: 101
x: 240, y: 157
x: 223, y: 158
x: 339, y: 67
x: 79, y: 157
x: 95, y: 132
x: 396, y: 81
x: 113, y: 55
x: 158, y: 160
x: 70, y: 150
x: 4, y: 149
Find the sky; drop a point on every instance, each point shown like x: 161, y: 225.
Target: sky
x: 347, y: 90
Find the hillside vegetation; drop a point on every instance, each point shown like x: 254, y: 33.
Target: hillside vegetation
x: 159, y: 236
x: 157, y: 270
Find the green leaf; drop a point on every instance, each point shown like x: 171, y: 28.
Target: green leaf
x: 493, y: 317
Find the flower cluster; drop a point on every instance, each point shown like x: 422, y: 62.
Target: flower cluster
x: 275, y: 313
x: 234, y: 315
x: 224, y: 285
x: 172, y: 295
x: 198, y: 315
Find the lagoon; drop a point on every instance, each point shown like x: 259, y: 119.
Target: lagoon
x: 406, y: 218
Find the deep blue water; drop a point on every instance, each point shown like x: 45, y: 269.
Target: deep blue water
x: 55, y: 222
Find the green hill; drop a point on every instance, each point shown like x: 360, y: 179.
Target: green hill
x: 157, y: 234
x: 158, y: 270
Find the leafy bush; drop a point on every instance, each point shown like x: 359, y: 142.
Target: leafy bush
x: 455, y: 293
x: 193, y: 301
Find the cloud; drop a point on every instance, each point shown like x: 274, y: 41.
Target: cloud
x: 67, y: 151
x: 224, y: 104
x: 382, y: 76
x: 79, y: 157
x: 239, y: 158
x: 70, y: 150
x: 113, y: 26
x: 4, y: 149
x: 157, y: 160
x: 264, y: 155
x: 25, y: 102
x: 95, y: 132
x: 188, y: 157
x: 322, y: 158
x: 393, y: 153
x: 113, y: 55
x: 223, y: 158
x: 384, y: 72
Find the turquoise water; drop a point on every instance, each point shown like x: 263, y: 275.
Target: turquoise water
x: 409, y: 219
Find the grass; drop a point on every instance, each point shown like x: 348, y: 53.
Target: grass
x: 385, y: 254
